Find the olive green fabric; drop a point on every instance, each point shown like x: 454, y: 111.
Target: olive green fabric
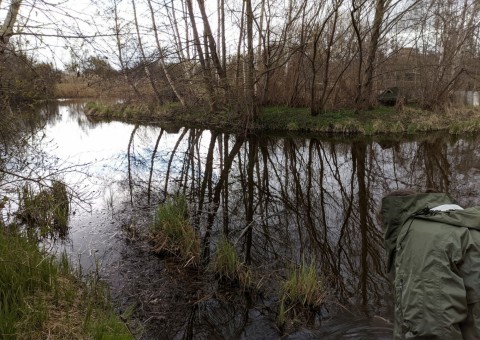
x: 435, y: 257
x: 397, y: 209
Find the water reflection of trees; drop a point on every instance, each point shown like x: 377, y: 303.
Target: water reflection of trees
x: 283, y: 200
x: 25, y: 157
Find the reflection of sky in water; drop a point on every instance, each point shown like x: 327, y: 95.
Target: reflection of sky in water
x: 102, y: 147
x: 101, y: 151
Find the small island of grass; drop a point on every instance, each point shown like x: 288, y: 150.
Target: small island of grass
x: 377, y: 121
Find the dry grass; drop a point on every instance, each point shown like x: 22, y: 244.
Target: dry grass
x: 75, y: 89
x: 91, y: 88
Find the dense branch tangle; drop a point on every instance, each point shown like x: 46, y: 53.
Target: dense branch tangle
x: 240, y: 54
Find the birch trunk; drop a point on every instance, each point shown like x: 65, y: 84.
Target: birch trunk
x: 142, y: 52
x: 6, y: 31
x: 170, y: 81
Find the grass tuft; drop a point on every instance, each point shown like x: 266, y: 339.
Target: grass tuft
x: 171, y: 231
x: 46, y: 211
x: 303, y: 288
x: 227, y: 264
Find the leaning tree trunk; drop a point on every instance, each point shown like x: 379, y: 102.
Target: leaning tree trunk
x: 6, y: 30
x: 142, y: 52
x: 169, y: 78
x: 206, y: 72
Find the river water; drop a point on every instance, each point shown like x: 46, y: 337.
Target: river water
x: 281, y: 199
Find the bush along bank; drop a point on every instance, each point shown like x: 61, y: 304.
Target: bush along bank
x: 381, y: 120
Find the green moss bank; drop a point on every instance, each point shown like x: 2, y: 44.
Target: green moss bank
x: 381, y: 120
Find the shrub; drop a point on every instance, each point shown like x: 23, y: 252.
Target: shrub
x: 45, y: 212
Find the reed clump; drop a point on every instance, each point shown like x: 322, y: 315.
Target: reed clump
x: 303, y: 287
x: 228, y: 265
x: 45, y: 211
x: 76, y: 88
x: 172, y: 233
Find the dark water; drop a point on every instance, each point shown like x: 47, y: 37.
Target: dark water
x: 282, y: 200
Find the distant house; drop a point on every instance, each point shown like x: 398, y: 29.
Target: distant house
x: 390, y: 96
x: 399, y: 77
x: 425, y: 77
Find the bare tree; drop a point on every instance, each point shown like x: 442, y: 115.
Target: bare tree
x: 250, y: 76
x: 205, y: 70
x: 144, y: 59
x: 123, y: 66
x: 162, y: 57
x: 364, y: 97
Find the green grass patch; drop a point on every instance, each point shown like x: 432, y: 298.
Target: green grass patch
x: 302, y: 287
x: 40, y: 297
x: 341, y: 121
x: 228, y: 265
x: 171, y: 231
x: 381, y: 120
x: 460, y: 127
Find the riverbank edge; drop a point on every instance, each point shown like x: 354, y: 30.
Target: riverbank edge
x: 52, y: 298
x: 382, y: 120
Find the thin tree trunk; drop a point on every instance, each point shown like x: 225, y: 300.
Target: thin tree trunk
x: 250, y: 81
x: 222, y: 30
x: 127, y: 78
x: 162, y: 58
x: 326, y: 76
x: 142, y: 52
x: 239, y: 46
x: 356, y: 28
x: 212, y: 45
x: 198, y: 46
x: 6, y: 30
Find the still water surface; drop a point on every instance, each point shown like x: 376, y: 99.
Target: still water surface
x: 282, y: 200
